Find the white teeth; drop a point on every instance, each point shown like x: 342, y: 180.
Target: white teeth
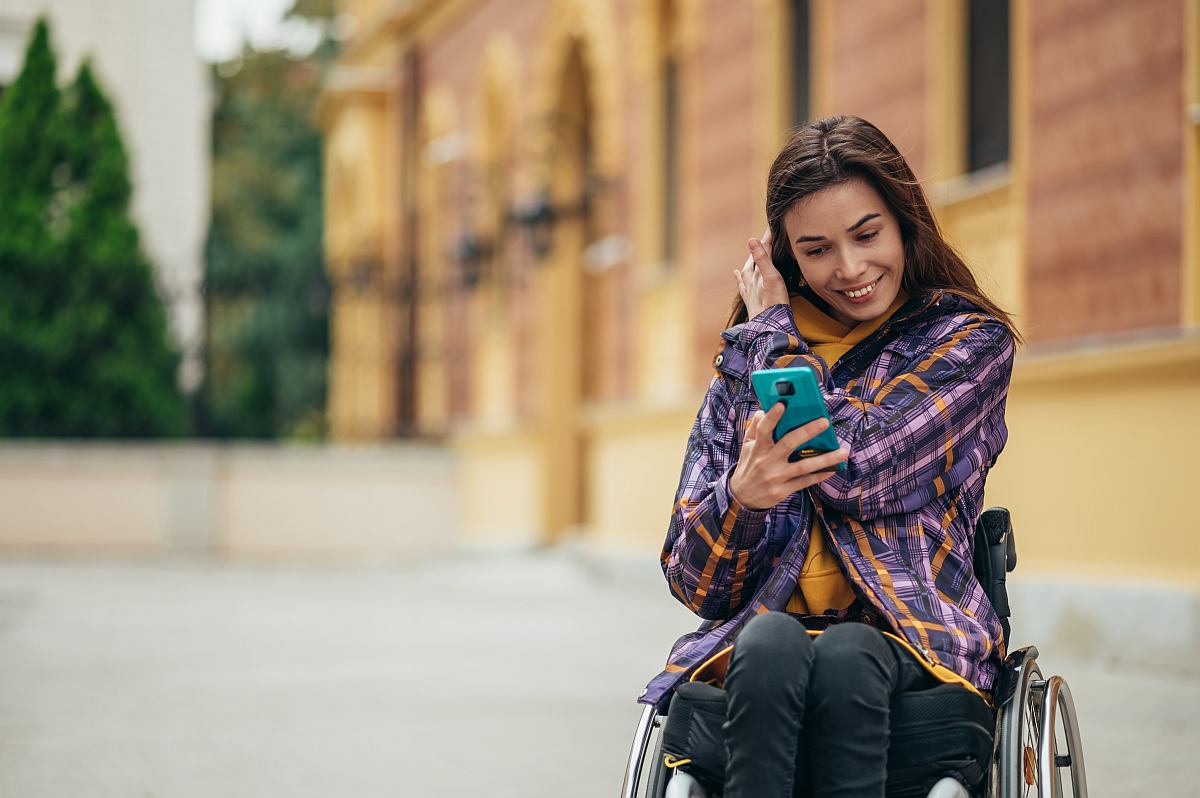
x: 861, y: 291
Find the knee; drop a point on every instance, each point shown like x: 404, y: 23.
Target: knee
x: 773, y: 645
x: 844, y: 655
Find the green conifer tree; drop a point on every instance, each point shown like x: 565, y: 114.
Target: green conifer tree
x: 122, y: 359
x: 31, y: 149
x: 83, y: 340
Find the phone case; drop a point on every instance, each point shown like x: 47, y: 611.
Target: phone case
x: 797, y: 389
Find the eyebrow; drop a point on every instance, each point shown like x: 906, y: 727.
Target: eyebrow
x: 849, y: 229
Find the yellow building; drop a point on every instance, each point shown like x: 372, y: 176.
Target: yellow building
x: 534, y: 208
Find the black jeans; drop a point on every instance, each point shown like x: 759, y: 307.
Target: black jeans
x: 810, y: 716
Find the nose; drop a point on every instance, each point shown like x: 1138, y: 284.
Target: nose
x: 851, y: 268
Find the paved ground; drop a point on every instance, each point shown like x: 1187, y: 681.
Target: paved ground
x: 499, y: 675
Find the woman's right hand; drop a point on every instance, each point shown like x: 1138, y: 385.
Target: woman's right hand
x: 759, y: 282
x: 763, y: 477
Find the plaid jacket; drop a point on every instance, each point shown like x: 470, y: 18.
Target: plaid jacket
x: 921, y: 405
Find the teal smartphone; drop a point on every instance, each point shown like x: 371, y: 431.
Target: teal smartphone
x: 802, y: 401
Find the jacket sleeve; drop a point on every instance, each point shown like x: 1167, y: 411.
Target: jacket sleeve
x: 924, y: 432
x: 715, y: 548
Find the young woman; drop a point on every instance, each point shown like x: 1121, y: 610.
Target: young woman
x: 841, y: 588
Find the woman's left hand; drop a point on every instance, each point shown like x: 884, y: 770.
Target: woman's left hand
x: 759, y: 282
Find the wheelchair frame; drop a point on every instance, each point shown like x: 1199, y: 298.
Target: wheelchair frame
x: 1025, y: 759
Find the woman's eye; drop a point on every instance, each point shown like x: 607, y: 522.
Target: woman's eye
x: 815, y: 251
x: 868, y: 236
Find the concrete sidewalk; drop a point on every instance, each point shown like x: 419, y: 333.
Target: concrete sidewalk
x: 502, y: 675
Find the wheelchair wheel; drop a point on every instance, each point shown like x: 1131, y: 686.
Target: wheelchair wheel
x: 1028, y: 763
x: 1019, y: 732
x: 645, y: 775
x: 1036, y: 745
x: 1058, y: 715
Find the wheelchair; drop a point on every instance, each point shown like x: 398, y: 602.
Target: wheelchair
x: 1036, y: 733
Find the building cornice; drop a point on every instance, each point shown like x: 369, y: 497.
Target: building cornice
x: 1150, y: 355
x: 402, y: 21
x: 343, y: 83
x: 367, y: 67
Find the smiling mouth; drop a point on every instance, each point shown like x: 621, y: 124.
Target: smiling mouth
x: 859, y: 293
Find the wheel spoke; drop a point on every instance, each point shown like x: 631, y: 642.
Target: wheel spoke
x: 1031, y: 740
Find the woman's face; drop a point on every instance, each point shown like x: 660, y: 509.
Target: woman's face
x: 848, y: 245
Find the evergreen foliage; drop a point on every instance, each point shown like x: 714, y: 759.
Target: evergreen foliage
x: 84, y: 348
x: 30, y: 149
x: 264, y: 267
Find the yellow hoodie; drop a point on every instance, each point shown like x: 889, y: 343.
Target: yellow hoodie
x: 822, y: 585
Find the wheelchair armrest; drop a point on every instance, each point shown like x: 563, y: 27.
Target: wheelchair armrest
x: 995, y: 555
x: 996, y: 525
x: 1017, y: 659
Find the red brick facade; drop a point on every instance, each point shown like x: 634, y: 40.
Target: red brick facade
x: 1105, y: 220
x: 880, y: 70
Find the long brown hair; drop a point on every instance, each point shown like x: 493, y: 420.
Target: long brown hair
x: 835, y: 149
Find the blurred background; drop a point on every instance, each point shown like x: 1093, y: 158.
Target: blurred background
x: 349, y: 348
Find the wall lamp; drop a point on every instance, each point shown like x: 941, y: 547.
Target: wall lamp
x: 538, y: 215
x: 473, y: 251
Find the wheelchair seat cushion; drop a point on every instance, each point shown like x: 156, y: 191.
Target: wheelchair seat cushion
x: 943, y: 731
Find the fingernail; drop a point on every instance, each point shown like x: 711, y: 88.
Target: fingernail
x: 754, y: 244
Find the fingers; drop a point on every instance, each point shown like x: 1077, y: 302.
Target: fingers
x: 762, y: 425
x: 814, y: 470
x: 745, y: 276
x: 804, y: 433
x: 823, y: 462
x: 766, y: 464
x: 748, y: 268
x: 754, y: 429
x: 747, y: 286
x: 769, y: 421
x: 761, y: 256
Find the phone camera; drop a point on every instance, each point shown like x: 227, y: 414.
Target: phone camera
x: 785, y: 388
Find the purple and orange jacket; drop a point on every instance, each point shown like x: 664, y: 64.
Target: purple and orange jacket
x: 921, y: 406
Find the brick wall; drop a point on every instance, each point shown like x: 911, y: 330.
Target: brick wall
x: 1105, y: 171
x: 879, y: 70
x: 1104, y: 225
x: 721, y: 183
